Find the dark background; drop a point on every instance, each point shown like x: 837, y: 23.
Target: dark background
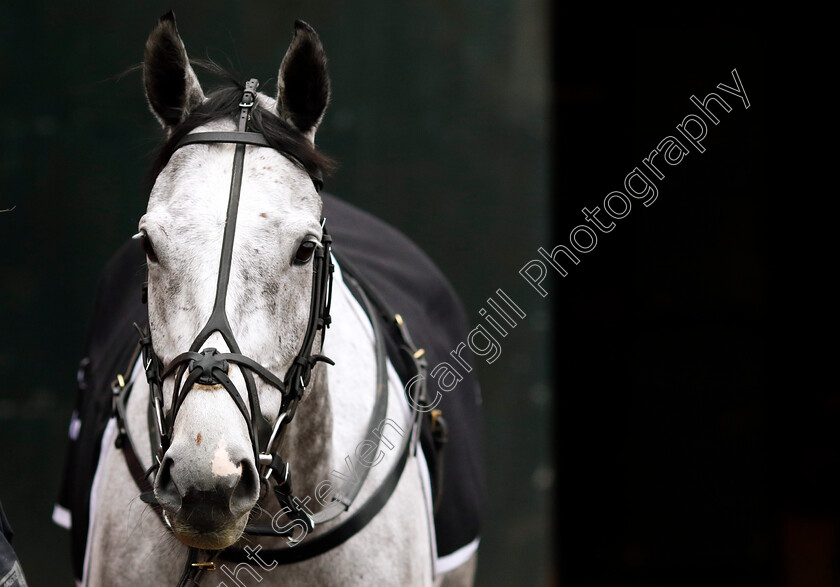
x: 695, y: 446
x: 648, y: 448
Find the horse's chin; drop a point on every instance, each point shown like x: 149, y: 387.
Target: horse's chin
x: 215, y: 539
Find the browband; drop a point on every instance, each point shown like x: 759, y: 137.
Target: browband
x: 242, y: 138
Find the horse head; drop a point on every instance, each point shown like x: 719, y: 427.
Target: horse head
x: 208, y: 480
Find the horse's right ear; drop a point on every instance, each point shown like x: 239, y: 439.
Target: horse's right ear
x: 172, y: 87
x: 303, y: 85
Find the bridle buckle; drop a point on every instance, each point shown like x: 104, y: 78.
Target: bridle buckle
x: 249, y: 95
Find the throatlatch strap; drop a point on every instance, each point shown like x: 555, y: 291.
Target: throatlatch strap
x: 121, y: 389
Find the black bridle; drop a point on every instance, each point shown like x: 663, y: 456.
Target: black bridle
x: 209, y: 367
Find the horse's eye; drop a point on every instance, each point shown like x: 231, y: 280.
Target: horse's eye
x: 148, y: 248
x: 304, y: 252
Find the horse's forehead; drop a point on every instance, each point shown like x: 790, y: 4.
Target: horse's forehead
x: 198, y: 176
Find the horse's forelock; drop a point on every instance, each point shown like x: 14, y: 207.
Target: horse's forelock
x: 224, y: 103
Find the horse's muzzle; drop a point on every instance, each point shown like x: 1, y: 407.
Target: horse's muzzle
x: 205, y: 509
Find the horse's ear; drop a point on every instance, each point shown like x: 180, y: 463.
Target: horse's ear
x: 303, y: 85
x: 172, y: 87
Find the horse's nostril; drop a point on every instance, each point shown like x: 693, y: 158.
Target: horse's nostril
x: 246, y: 490
x: 166, y: 491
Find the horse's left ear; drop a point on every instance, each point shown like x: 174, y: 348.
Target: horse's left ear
x: 303, y: 85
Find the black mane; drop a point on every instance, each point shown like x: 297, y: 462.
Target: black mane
x: 224, y: 103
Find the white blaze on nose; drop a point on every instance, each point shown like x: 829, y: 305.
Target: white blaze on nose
x: 222, y: 465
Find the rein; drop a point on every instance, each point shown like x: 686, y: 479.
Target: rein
x: 207, y: 366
